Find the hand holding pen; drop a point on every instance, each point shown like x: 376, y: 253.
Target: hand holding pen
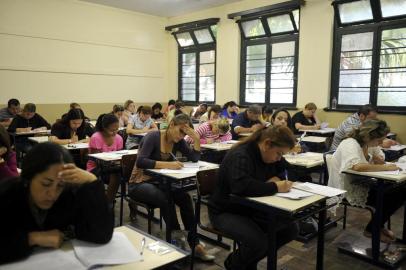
x: 175, y: 164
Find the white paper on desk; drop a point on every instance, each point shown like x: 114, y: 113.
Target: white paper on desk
x: 323, y: 125
x: 48, y: 260
x: 181, y: 171
x: 118, y: 251
x: 231, y: 142
x: 295, y: 194
x: 398, y: 147
x: 397, y: 172
x: 319, y: 189
x: 191, y: 165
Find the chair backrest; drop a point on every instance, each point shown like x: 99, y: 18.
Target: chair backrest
x: 206, y: 181
x: 328, y: 159
x: 127, y: 165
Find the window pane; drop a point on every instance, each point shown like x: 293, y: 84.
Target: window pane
x: 253, y: 28
x: 207, y: 76
x: 188, y: 91
x: 296, y: 16
x: 392, y: 71
x: 355, y: 11
x: 214, y: 29
x: 203, y: 36
x: 184, y: 39
x: 393, y: 7
x: 255, y: 74
x: 282, y: 72
x: 355, y: 69
x: 281, y: 23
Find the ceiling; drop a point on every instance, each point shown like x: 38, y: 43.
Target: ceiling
x: 163, y: 8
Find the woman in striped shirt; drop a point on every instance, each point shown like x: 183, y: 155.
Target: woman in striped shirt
x: 213, y: 131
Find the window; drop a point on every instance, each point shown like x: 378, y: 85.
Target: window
x: 197, y: 60
x: 269, y: 55
x: 369, y: 61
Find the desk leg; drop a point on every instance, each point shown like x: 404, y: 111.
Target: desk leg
x: 377, y: 217
x: 320, y: 237
x: 272, y: 249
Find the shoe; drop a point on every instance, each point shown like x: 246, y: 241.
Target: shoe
x: 384, y: 238
x: 201, y: 254
x: 227, y: 262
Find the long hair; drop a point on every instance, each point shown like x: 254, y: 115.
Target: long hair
x: 369, y: 130
x: 104, y: 121
x: 179, y: 119
x: 279, y: 136
x: 74, y: 114
x: 289, y: 120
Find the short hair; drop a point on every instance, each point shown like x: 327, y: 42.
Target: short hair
x: 171, y: 102
x: 214, y: 109
x: 229, y: 104
x: 13, y: 102
x: 145, y: 110
x: 74, y: 105
x: 310, y: 106
x: 30, y: 107
x: 179, y: 104
x: 127, y: 103
x: 366, y: 109
x: 267, y: 109
x: 255, y: 109
x: 118, y: 108
x: 204, y: 105
x: 157, y: 106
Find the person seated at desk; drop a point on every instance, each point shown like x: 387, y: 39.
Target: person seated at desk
x: 129, y: 110
x: 27, y: 121
x: 266, y: 114
x: 230, y: 110
x: 8, y: 162
x: 178, y: 107
x: 71, y: 129
x: 198, y: 111
x: 51, y: 201
x: 75, y: 105
x: 359, y: 152
x: 106, y: 139
x: 211, y: 115
x: 281, y: 117
x: 118, y: 111
x: 253, y: 168
x: 169, y: 107
x: 157, y: 151
x: 306, y: 119
x: 247, y: 122
x: 213, y: 131
x: 156, y: 111
x: 7, y: 114
x: 138, y: 124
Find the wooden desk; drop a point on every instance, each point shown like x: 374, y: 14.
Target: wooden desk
x: 113, y: 156
x: 382, y: 183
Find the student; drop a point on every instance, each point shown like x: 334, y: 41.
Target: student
x: 281, y: 117
x: 75, y: 105
x: 360, y: 152
x: 169, y: 107
x: 118, y: 111
x: 306, y: 119
x: 247, y: 121
x: 213, y: 114
x: 230, y: 110
x: 106, y: 139
x: 156, y: 111
x: 253, y: 168
x: 157, y: 151
x: 266, y: 113
x: 179, y: 106
x: 8, y: 162
x: 138, y: 124
x: 7, y: 114
x: 213, y: 131
x: 71, y: 129
x: 50, y: 201
x: 129, y: 110
x: 198, y: 111
x: 27, y: 121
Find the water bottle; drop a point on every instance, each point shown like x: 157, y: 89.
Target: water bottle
x: 334, y: 103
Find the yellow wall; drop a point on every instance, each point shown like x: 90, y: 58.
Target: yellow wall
x: 58, y: 51
x: 315, y: 54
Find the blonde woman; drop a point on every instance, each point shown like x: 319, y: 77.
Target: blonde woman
x: 214, y: 131
x: 129, y: 110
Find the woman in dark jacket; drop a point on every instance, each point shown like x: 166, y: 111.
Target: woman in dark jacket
x: 52, y: 200
x: 253, y: 168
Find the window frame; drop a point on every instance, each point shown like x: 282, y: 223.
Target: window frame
x: 376, y: 28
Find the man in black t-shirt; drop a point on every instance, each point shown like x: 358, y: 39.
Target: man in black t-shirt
x: 306, y: 119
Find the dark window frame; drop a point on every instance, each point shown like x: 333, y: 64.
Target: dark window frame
x: 376, y: 26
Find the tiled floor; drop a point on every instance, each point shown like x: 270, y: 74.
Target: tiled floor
x: 299, y: 256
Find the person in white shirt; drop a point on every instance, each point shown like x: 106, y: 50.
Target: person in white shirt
x: 360, y: 152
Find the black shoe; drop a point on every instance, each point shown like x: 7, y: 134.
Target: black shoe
x: 227, y: 262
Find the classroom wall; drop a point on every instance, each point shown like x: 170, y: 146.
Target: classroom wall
x: 58, y: 51
x: 315, y: 54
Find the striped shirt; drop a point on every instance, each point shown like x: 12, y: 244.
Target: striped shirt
x: 344, y: 129
x: 205, y: 132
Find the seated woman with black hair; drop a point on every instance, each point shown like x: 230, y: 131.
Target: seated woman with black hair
x: 71, y: 129
x: 8, y: 162
x: 106, y: 139
x: 156, y: 111
x: 51, y: 200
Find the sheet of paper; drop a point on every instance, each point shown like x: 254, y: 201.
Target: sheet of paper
x: 323, y: 125
x: 231, y: 142
x: 398, y: 147
x: 118, y: 251
x: 318, y: 189
x: 295, y: 194
x: 47, y: 260
x: 181, y: 171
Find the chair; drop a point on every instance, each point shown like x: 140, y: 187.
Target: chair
x: 127, y: 165
x: 206, y: 183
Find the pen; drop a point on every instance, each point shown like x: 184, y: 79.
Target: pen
x: 173, y: 156
x: 286, y: 174
x: 142, y: 245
